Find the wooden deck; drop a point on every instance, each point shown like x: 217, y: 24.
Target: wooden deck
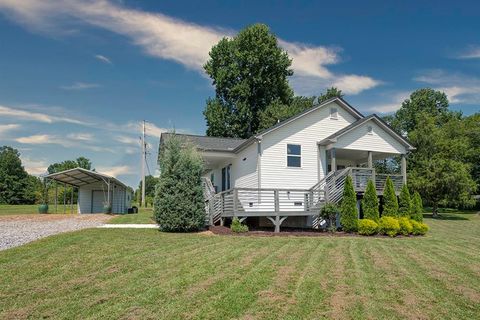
x: 277, y: 204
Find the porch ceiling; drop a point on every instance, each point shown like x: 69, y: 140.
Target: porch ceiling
x: 214, y: 159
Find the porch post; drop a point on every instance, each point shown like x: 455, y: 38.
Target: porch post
x: 404, y: 169
x: 333, y: 159
x: 370, y: 159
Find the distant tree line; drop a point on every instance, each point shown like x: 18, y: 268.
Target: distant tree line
x: 19, y: 187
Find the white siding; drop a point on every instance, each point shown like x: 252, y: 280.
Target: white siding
x: 244, y: 168
x: 305, y: 131
x: 378, y: 141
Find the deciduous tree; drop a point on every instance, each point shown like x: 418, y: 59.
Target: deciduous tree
x: 249, y: 72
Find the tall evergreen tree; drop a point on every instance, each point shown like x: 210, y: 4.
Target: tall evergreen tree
x: 417, y: 208
x: 348, y: 207
x: 370, y: 203
x: 179, y: 203
x: 390, y: 202
x: 249, y: 72
x: 405, y: 202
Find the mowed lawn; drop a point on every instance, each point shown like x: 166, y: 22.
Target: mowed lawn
x: 14, y: 209
x: 144, y: 215
x: 141, y: 274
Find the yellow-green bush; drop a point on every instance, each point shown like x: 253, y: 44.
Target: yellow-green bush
x: 419, y: 228
x: 367, y: 227
x: 406, y: 227
x: 237, y: 226
x: 389, y: 226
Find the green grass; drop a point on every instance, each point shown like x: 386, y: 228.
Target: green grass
x: 14, y: 209
x: 143, y: 216
x: 141, y: 274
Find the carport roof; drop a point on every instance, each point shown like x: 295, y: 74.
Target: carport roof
x: 80, y: 177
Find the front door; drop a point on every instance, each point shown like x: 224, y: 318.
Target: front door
x: 226, y: 177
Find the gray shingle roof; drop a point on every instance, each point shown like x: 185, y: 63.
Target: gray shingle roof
x: 207, y: 143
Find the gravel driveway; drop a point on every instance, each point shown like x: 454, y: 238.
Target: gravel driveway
x: 21, y: 229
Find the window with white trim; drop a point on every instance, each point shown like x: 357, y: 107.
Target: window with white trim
x: 294, y: 155
x: 333, y: 113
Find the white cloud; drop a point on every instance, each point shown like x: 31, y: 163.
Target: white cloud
x: 29, y: 115
x: 45, y: 139
x: 116, y: 171
x: 394, y: 102
x: 128, y: 140
x: 81, y: 136
x: 458, y: 87
x: 103, y: 58
x: 34, y: 166
x: 472, y: 52
x: 8, y: 127
x: 80, y: 86
x: 174, y: 39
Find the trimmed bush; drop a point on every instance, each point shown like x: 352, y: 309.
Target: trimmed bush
x: 389, y: 226
x: 329, y: 212
x: 237, y: 226
x: 370, y: 203
x: 405, y: 202
x: 179, y: 203
x: 419, y: 228
x: 417, y: 208
x: 390, y: 202
x: 367, y: 227
x: 406, y: 227
x: 348, y: 208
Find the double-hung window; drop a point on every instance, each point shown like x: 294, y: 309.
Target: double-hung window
x: 294, y: 155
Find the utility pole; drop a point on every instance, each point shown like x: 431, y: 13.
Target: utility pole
x: 144, y: 158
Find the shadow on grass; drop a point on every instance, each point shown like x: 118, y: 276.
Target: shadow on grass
x: 444, y: 216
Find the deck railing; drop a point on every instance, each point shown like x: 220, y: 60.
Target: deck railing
x: 245, y: 202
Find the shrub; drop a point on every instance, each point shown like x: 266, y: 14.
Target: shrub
x: 179, y: 203
x: 405, y: 202
x: 417, y: 208
x: 348, y: 208
x: 370, y: 202
x: 367, y: 227
x: 406, y: 227
x: 389, y: 226
x: 390, y: 202
x: 237, y: 226
x: 329, y: 212
x: 419, y: 228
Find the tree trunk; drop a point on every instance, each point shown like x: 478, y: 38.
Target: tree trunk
x: 435, y: 210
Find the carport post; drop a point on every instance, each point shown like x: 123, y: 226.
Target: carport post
x: 113, y: 196
x: 64, y: 198
x: 71, y: 201
x: 108, y: 193
x: 56, y: 196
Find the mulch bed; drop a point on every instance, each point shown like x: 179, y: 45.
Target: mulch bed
x: 286, y: 232
x: 293, y: 232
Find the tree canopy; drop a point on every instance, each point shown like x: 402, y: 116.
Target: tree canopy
x: 249, y: 72
x: 13, y: 177
x: 80, y: 162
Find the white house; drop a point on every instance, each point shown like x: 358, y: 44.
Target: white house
x: 291, y: 169
x: 95, y: 190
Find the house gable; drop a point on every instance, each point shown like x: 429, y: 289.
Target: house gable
x: 370, y: 135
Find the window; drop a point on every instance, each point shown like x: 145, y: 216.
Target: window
x: 294, y: 156
x: 333, y: 113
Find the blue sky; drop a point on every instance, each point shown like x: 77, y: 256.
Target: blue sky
x: 77, y: 77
